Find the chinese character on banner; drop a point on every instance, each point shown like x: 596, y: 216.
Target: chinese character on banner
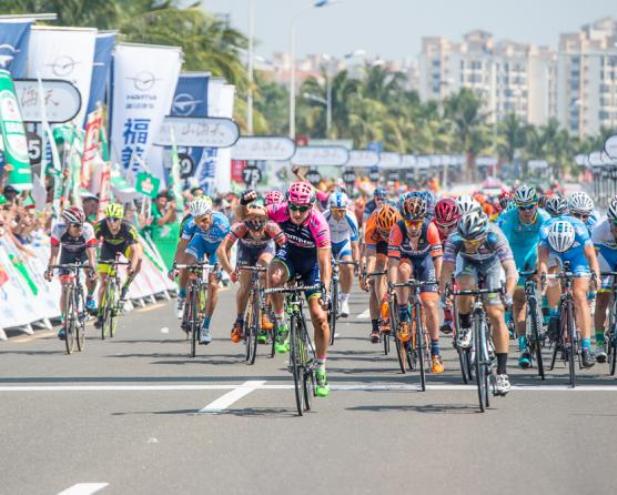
x: 135, y: 133
x: 92, y: 144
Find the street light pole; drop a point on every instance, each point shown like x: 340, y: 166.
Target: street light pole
x: 292, y: 63
x: 249, y: 95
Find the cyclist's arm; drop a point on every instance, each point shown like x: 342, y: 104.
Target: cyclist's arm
x: 590, y: 254
x: 180, y: 248
x: 511, y: 275
x: 53, y: 255
x: 447, y: 269
x: 91, y: 254
x: 324, y: 256
x: 223, y: 253
x: 355, y: 251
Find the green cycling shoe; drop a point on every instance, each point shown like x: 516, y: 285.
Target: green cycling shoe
x: 322, y: 389
x: 281, y: 346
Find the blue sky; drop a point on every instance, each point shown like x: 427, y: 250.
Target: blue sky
x: 394, y: 28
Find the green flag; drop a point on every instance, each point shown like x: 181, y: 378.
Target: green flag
x: 14, y: 135
x: 147, y: 184
x: 176, y: 184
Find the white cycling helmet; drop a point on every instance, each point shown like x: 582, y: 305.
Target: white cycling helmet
x: 611, y: 213
x: 200, y: 207
x: 466, y: 204
x: 525, y: 195
x: 580, y: 202
x: 338, y: 200
x: 561, y: 236
x: 556, y: 205
x: 473, y: 225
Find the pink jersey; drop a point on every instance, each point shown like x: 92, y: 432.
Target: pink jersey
x: 312, y: 233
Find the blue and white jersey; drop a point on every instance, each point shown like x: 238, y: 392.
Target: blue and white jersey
x: 214, y: 235
x: 523, y: 237
x: 344, y: 229
x: 575, y: 256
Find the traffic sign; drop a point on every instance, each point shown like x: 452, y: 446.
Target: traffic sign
x: 187, y: 165
x: 251, y: 175
x: 349, y: 176
x: 313, y: 176
x: 35, y: 147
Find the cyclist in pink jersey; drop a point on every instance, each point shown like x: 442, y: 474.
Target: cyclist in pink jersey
x: 306, y: 254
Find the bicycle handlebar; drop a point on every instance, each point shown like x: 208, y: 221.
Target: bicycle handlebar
x: 72, y: 266
x: 113, y: 262
x: 376, y: 274
x: 249, y: 268
x: 194, y: 266
x: 475, y: 292
x: 413, y: 283
x: 292, y: 290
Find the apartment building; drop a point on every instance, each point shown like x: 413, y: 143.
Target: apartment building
x: 509, y: 77
x: 587, y: 78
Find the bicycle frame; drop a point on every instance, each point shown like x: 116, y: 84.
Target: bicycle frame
x: 255, y: 308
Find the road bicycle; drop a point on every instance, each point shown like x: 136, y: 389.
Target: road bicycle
x: 74, y: 310
x: 196, y: 298
x: 110, y: 305
x: 384, y: 313
x: 412, y: 353
x: 255, y: 309
x: 612, y: 324
x: 334, y: 308
x: 482, y: 355
x: 534, y: 322
x: 302, y: 351
x: 568, y: 342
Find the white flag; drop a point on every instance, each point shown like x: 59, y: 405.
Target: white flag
x: 144, y: 82
x: 63, y: 53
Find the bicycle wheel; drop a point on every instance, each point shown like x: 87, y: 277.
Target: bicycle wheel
x: 297, y: 369
x: 255, y: 328
x: 480, y: 372
x: 533, y: 327
x: 333, y: 310
x: 194, y: 314
x: 107, y: 323
x: 463, y: 361
x: 113, y: 312
x: 80, y: 324
x: 420, y: 345
x: 69, y: 321
x: 572, y: 352
x: 308, y: 359
x: 394, y: 323
x: 248, y: 328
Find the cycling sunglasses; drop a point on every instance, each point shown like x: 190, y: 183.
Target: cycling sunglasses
x: 255, y: 225
x: 113, y: 220
x: 203, y: 219
x: 300, y: 208
x: 474, y: 242
x: 528, y: 207
x: 414, y: 223
x: 77, y: 225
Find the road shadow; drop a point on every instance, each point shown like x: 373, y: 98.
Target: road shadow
x: 204, y: 379
x: 455, y: 409
x: 265, y: 412
x: 34, y: 353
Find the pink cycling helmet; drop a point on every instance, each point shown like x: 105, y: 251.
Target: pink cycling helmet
x: 273, y: 197
x: 301, y: 193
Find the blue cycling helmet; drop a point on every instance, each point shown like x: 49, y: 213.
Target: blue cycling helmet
x: 338, y: 200
x: 380, y: 192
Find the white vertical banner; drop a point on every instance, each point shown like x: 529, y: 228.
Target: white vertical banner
x: 63, y: 53
x: 144, y: 82
x: 221, y: 104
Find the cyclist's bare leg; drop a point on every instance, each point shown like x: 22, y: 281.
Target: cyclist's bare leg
x: 346, y: 276
x: 430, y: 303
x: 501, y: 338
x: 242, y: 295
x: 277, y: 276
x: 103, y: 286
x: 603, y: 301
x: 319, y: 318
x: 213, y: 294
x: 403, y: 274
x: 580, y: 288
x: 519, y: 309
x: 465, y: 303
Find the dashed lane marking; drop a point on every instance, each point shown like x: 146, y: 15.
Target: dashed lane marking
x: 84, y: 489
x: 222, y: 403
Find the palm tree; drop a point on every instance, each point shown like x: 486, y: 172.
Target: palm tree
x: 511, y: 137
x: 464, y: 110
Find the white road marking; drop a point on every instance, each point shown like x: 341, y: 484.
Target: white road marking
x: 247, y: 387
x: 165, y: 330
x: 84, y: 489
x: 365, y: 315
x: 229, y: 398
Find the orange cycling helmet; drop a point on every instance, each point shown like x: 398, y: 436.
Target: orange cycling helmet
x: 386, y: 217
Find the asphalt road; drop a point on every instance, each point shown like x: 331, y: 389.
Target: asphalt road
x: 124, y: 417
